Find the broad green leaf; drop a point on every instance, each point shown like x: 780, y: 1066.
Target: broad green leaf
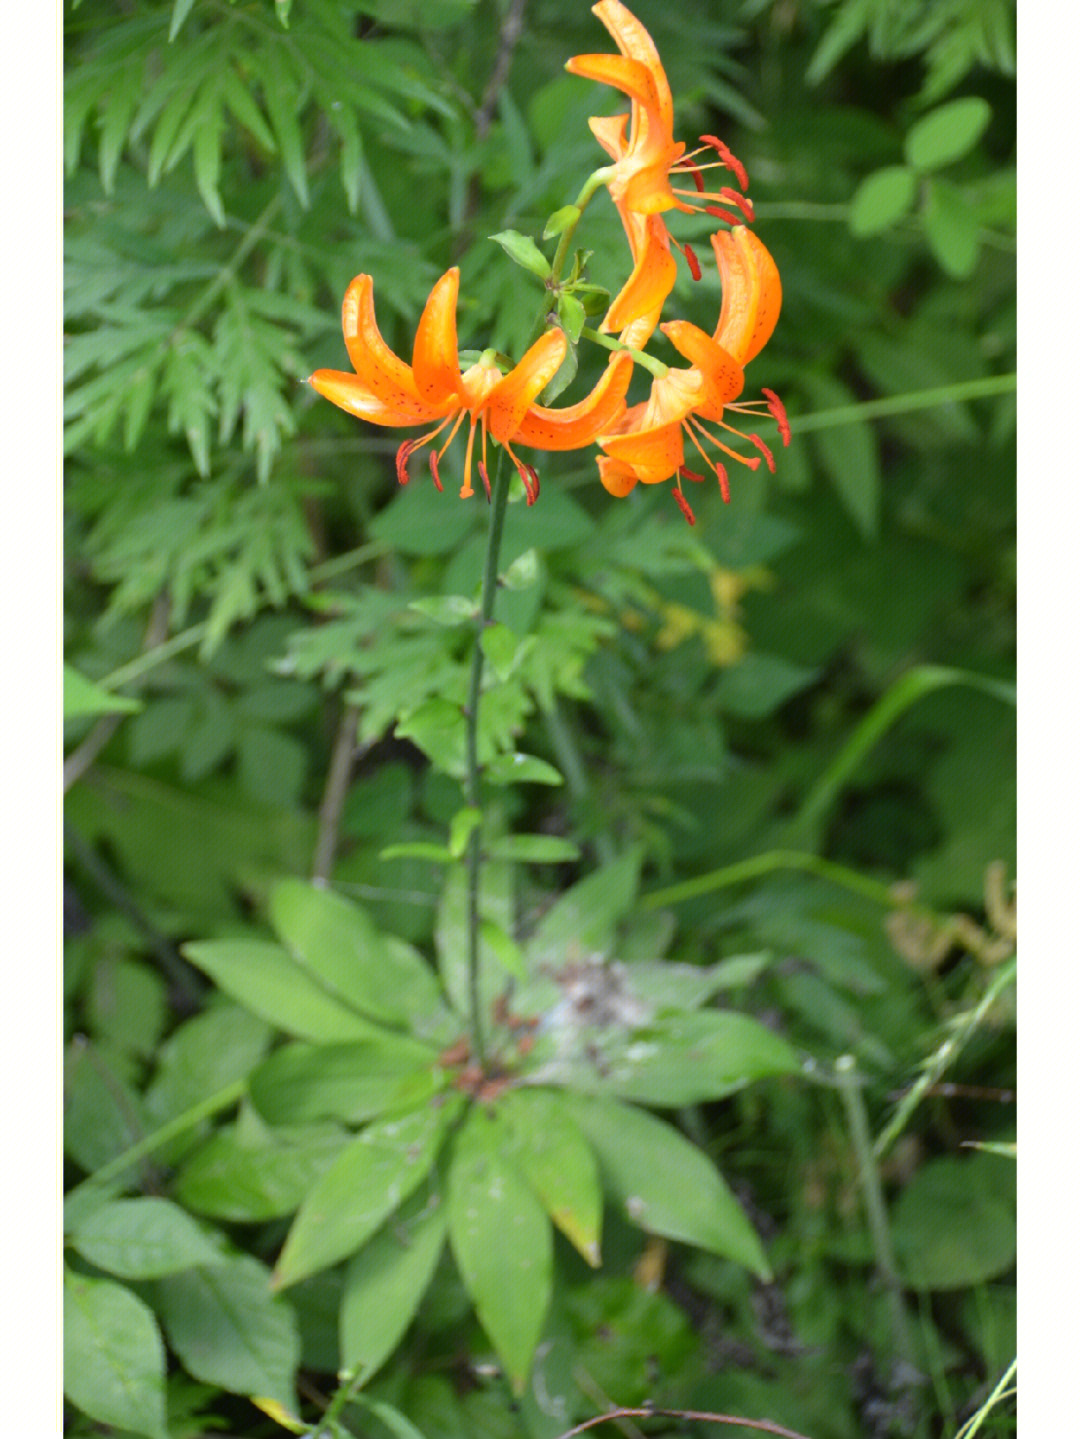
x: 412, y: 525
x: 103, y: 1115
x: 505, y: 948
x: 881, y: 199
x: 571, y: 316
x: 758, y: 684
x: 84, y: 697
x: 663, y: 1183
x: 952, y: 229
x: 689, y: 1058
x: 584, y: 918
x: 367, y: 1182
x: 524, y: 571
x: 849, y: 455
x: 342, y: 948
x: 552, y: 1154
x: 947, y: 133
x: 128, y: 1005
x: 521, y: 769
x: 462, y: 826
x: 449, y: 610
x: 269, y: 982
x: 502, y: 1242
x: 114, y: 1360
x: 143, y: 1239
x: 205, y: 1054
x: 561, y: 220
x: 524, y: 251
x: 353, y: 1082
x: 229, y: 1329
x: 385, y: 1283
x: 437, y: 726
x: 954, y: 1224
x: 502, y: 649
x: 250, y: 1183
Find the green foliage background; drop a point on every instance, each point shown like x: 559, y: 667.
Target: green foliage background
x: 740, y: 739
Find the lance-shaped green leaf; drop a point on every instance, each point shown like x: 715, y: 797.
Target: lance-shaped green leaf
x: 366, y: 1183
x: 502, y: 1242
x: 663, y: 1183
x: 352, y: 1082
x: 688, y: 1058
x: 340, y: 945
x: 143, y: 1239
x: 385, y: 1283
x: 554, y: 1156
x: 584, y: 918
x: 524, y: 251
x: 84, y: 697
x: 229, y: 1329
x: 244, y: 1182
x: 114, y: 1360
x: 269, y: 982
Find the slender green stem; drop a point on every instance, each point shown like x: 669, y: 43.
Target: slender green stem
x: 910, y: 687
x: 902, y: 404
x: 1000, y: 1391
x: 500, y: 493
x: 964, y: 1027
x: 870, y: 1183
x: 205, y: 1109
x: 768, y: 863
x: 640, y: 357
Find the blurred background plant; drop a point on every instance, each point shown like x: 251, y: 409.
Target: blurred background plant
x: 775, y: 751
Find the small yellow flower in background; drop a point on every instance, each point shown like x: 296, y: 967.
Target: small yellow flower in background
x: 387, y: 391
x: 647, y: 444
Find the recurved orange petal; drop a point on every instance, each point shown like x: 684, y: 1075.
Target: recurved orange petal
x: 506, y: 405
x: 641, y: 299
x: 721, y: 374
x: 346, y: 391
x: 578, y: 425
x: 378, y: 370
x: 654, y: 454
x: 752, y: 293
x: 435, y: 368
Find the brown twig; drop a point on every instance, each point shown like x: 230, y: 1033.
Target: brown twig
x: 763, y: 1426
x: 510, y: 32
x: 333, y: 800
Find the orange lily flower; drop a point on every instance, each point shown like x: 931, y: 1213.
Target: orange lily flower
x: 646, y: 160
x: 386, y: 391
x: 647, y: 444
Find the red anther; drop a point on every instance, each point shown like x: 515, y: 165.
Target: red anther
x: 531, y: 480
x: 763, y: 447
x: 484, y: 476
x: 405, y: 449
x: 725, y: 491
x: 695, y: 175
x: 690, y: 474
x: 433, y: 461
x: 683, y: 504
x: 779, y: 414
x: 737, y: 168
x: 692, y: 261
x: 741, y: 202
